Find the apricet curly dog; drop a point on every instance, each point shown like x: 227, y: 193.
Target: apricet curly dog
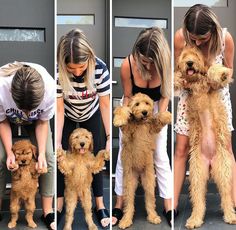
x: 139, y: 128
x: 203, y: 84
x: 78, y: 165
x: 24, y: 181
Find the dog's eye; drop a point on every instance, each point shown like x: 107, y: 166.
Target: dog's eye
x: 137, y: 104
x: 147, y: 103
x: 87, y: 137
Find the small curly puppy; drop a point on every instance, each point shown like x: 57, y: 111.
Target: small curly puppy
x: 139, y: 128
x: 203, y: 84
x: 78, y: 165
x: 24, y: 181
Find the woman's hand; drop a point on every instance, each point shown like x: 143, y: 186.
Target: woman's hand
x: 42, y: 163
x: 10, y: 160
x: 108, y: 144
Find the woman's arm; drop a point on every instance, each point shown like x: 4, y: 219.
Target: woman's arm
x: 41, y: 132
x: 60, y: 120
x: 6, y: 137
x: 163, y: 104
x: 229, y: 52
x: 126, y: 81
x: 104, y: 104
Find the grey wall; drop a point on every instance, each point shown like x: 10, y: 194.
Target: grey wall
x: 227, y: 18
x: 28, y: 14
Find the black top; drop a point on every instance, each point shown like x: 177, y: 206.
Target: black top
x: 153, y: 93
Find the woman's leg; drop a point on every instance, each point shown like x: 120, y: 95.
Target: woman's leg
x: 46, y: 181
x: 94, y: 125
x: 180, y: 159
x: 118, y: 181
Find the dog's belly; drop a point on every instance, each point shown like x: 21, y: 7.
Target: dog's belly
x: 80, y: 179
x: 26, y: 186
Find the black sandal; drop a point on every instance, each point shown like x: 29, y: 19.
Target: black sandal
x: 168, y: 215
x: 48, y: 220
x: 101, y: 214
x: 118, y: 214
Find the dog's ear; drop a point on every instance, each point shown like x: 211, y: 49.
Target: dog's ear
x: 34, y: 151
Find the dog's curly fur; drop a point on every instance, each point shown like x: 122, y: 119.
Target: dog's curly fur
x: 203, y: 83
x: 24, y: 181
x: 139, y: 128
x: 78, y: 165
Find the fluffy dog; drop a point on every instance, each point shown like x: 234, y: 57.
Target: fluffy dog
x: 139, y: 128
x: 203, y: 84
x: 24, y: 181
x: 78, y: 165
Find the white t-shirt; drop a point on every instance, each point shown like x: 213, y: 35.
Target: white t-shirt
x: 44, y: 111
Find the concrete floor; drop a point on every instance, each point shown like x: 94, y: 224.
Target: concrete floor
x: 79, y: 220
x: 214, y: 216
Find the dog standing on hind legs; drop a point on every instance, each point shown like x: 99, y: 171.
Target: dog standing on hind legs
x: 203, y: 84
x: 139, y: 129
x: 78, y: 165
x: 24, y: 182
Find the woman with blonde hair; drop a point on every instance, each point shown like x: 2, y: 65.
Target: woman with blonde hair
x: 202, y: 29
x: 83, y: 98
x: 148, y: 70
x: 27, y: 99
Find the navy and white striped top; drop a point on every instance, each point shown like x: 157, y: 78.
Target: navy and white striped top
x: 85, y: 103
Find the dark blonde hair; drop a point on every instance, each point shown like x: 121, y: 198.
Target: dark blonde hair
x: 27, y: 87
x: 151, y: 43
x: 75, y: 48
x: 199, y: 20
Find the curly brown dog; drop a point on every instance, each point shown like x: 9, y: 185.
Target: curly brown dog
x: 203, y: 84
x: 78, y: 165
x: 139, y: 128
x: 24, y: 181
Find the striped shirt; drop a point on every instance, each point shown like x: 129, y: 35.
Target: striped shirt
x: 85, y: 103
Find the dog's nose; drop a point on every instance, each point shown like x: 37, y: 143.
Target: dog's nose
x: 190, y: 63
x: 144, y: 113
x: 82, y: 144
x: 23, y: 161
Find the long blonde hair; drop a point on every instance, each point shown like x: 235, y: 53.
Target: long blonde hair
x: 75, y: 48
x: 27, y: 87
x: 151, y: 43
x: 199, y: 20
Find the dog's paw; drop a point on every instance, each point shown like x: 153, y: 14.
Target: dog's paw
x: 193, y: 222
x: 42, y: 170
x: 165, y: 117
x: 13, y: 167
x: 121, y: 116
x: 60, y: 155
x: 12, y: 224
x: 154, y: 219
x: 125, y: 223
x: 106, y: 155
x: 32, y: 224
x: 230, y: 218
x: 218, y: 76
x: 92, y: 227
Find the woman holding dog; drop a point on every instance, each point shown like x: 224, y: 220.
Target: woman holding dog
x: 148, y: 70
x: 202, y: 29
x: 27, y: 100
x: 83, y: 98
